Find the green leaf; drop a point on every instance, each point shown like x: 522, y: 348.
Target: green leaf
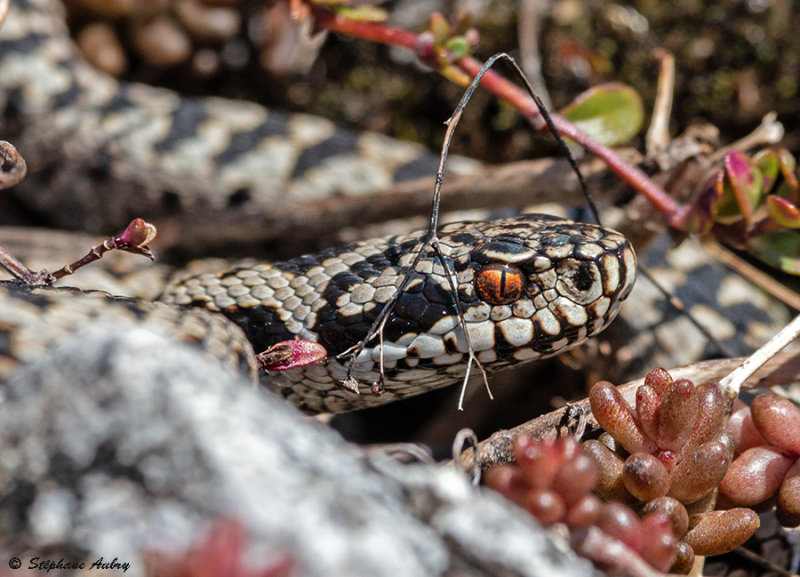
x: 779, y: 250
x: 610, y: 113
x: 440, y: 28
x: 362, y: 13
x: 775, y: 163
x: 458, y: 47
x: 768, y: 163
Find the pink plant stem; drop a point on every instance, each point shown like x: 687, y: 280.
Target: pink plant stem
x: 367, y: 30
x: 96, y: 253
x: 513, y: 94
x: 520, y: 99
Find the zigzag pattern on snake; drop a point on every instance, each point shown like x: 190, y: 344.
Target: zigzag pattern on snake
x: 103, y: 151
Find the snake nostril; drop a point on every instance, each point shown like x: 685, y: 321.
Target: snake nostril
x: 499, y: 284
x: 579, y: 281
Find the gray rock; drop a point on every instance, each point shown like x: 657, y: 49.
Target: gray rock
x: 121, y: 441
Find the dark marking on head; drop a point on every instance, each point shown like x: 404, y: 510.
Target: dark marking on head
x: 437, y: 293
x: 582, y: 279
x: 230, y: 273
x: 464, y: 237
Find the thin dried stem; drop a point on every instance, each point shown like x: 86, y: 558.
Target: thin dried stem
x: 511, y: 93
x: 761, y: 561
x: 135, y: 238
x: 731, y: 384
x: 783, y: 369
x: 531, y: 13
x: 630, y: 174
x: 16, y: 267
x: 467, y: 438
x: 770, y: 131
x: 657, y: 138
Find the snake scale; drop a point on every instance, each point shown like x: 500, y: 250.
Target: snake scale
x: 102, y: 151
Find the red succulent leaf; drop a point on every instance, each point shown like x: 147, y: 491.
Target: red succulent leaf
x: 648, y: 409
x: 660, y: 547
x: 778, y: 420
x: 711, y: 416
x: 789, y: 497
x: 755, y: 476
x: 618, y: 419
x: 745, y: 180
x: 645, y: 477
x: 741, y: 190
x: 673, y: 509
x: 699, y: 472
x: 718, y: 532
x: 784, y: 212
x: 610, y: 466
x: 742, y: 429
x: 701, y: 214
x: 679, y: 412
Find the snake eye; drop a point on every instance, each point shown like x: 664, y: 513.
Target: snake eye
x: 499, y: 284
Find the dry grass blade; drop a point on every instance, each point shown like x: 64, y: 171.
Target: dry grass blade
x: 657, y: 138
x: 731, y: 384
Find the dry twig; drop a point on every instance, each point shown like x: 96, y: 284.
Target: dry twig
x: 782, y: 369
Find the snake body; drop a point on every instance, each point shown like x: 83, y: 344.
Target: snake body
x: 35, y: 320
x: 102, y: 151
x: 529, y: 287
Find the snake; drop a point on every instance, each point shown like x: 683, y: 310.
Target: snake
x: 505, y: 291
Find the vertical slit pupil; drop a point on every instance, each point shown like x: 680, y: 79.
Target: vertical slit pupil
x: 499, y: 284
